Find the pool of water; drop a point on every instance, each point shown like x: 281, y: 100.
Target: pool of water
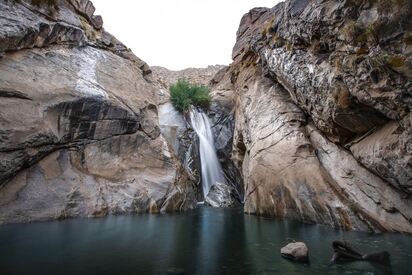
x: 202, y: 241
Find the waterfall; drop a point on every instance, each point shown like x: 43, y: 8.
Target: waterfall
x: 210, y: 167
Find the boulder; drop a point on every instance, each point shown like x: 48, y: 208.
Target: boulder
x: 296, y: 251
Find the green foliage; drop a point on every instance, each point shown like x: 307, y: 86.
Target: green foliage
x: 184, y: 94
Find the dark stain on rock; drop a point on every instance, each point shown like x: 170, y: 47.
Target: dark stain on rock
x: 82, y: 117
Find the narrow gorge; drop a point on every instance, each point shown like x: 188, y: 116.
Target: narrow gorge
x: 311, y: 122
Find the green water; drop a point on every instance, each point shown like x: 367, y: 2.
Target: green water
x: 203, y: 241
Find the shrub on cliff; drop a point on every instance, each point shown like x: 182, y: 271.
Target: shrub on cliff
x: 183, y: 94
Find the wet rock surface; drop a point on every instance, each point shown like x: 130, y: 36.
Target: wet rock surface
x: 222, y: 195
x: 79, y: 131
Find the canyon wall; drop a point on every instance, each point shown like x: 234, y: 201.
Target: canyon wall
x: 311, y: 120
x: 323, y: 122
x: 79, y: 132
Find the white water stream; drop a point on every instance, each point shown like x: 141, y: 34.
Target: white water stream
x: 211, y: 169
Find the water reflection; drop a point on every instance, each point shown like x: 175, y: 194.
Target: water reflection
x: 204, y: 241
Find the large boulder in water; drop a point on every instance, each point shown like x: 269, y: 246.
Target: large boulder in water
x: 296, y: 251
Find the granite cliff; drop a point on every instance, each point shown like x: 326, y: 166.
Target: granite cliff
x: 323, y: 122
x: 79, y: 133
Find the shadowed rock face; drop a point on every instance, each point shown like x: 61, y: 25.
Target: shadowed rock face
x: 79, y: 132
x: 323, y: 112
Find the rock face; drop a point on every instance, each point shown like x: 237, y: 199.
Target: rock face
x: 79, y: 132
x: 323, y: 124
x: 222, y: 116
x: 201, y: 76
x: 296, y: 251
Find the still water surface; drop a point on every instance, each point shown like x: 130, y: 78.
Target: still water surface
x: 203, y: 241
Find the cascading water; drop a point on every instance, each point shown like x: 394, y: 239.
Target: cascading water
x: 210, y: 166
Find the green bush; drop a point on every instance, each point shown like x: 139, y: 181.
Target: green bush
x: 183, y: 94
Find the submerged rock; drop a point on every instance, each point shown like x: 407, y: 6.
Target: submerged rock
x: 342, y: 252
x: 296, y: 251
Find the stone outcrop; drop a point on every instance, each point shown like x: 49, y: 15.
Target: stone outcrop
x: 200, y: 76
x: 322, y: 125
x: 79, y: 131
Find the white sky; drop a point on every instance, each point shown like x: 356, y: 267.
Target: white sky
x: 177, y: 34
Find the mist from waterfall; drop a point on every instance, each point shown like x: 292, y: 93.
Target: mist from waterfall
x: 210, y: 167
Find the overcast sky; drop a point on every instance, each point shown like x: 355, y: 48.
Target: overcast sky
x: 177, y: 34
